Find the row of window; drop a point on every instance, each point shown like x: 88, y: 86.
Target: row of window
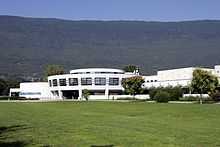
x: 84, y: 81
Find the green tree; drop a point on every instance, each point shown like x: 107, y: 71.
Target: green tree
x: 6, y: 84
x: 133, y: 85
x: 130, y: 68
x: 53, y: 69
x: 86, y: 94
x: 3, y: 86
x: 203, y: 82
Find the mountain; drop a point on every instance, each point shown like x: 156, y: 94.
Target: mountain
x: 28, y: 44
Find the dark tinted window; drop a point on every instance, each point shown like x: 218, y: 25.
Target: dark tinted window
x: 113, y: 81
x: 100, y: 81
x: 86, y: 81
x: 73, y: 81
x: 62, y: 82
x: 54, y: 82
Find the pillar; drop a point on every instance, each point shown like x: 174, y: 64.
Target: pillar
x: 80, y: 94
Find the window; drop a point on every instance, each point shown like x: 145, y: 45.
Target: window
x: 54, y: 82
x: 86, y: 81
x: 50, y: 83
x: 100, y: 81
x: 62, y: 82
x: 113, y: 81
x: 73, y: 81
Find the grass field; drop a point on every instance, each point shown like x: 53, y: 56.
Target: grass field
x: 109, y: 124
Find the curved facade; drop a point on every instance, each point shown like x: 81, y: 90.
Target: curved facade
x: 99, y: 81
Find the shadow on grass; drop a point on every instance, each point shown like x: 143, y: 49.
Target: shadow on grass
x: 110, y: 145
x: 4, y: 136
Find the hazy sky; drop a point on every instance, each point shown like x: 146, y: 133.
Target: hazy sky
x: 149, y: 10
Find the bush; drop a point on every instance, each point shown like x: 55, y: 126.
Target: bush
x: 174, y: 92
x: 152, y: 93
x: 189, y: 98
x: 216, y: 96
x: 162, y: 96
x: 126, y: 98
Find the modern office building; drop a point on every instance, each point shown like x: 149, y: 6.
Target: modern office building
x: 176, y: 77
x: 103, y: 83
x: 99, y: 81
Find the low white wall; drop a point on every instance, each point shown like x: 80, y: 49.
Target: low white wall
x: 115, y: 97
x: 34, y: 90
x: 195, y: 95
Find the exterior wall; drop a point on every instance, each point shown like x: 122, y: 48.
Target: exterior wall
x: 175, y: 74
x: 34, y: 90
x: 175, y: 77
x: 14, y: 90
x: 115, y: 97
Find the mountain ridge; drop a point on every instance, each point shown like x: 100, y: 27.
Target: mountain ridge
x: 28, y: 44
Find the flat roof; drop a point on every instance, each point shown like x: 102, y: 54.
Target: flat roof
x: 96, y: 70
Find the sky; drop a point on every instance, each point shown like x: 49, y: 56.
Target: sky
x: 147, y: 10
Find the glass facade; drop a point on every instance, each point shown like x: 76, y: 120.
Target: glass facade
x: 86, y: 81
x: 100, y: 81
x: 73, y: 81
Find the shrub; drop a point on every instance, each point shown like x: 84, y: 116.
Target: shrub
x: 152, y: 93
x: 162, y: 96
x: 189, y: 98
x: 126, y: 98
x: 174, y: 92
x: 86, y: 94
x: 216, y: 96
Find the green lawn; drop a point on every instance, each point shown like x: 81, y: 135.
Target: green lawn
x: 117, y: 124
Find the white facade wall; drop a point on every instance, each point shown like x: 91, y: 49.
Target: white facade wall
x: 34, y: 90
x: 175, y: 77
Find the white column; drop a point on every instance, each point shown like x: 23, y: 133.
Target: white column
x: 80, y: 94
x: 60, y: 94
x: 10, y: 93
x: 107, y: 93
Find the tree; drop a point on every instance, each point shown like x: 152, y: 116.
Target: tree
x: 85, y: 94
x: 6, y: 84
x: 53, y: 69
x: 203, y: 82
x: 130, y: 68
x: 3, y: 86
x: 133, y: 85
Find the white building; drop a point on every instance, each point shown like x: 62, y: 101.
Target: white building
x: 103, y: 83
x: 175, y: 77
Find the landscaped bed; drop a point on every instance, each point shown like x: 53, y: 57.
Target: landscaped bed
x: 136, y: 124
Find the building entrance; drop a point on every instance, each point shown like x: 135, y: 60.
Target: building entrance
x: 70, y: 94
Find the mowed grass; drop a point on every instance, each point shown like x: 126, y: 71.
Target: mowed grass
x: 117, y: 124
